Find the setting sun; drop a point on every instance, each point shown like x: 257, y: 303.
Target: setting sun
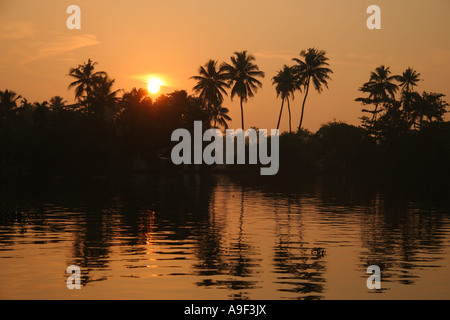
x: 154, y: 85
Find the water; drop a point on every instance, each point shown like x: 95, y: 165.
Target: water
x: 221, y: 237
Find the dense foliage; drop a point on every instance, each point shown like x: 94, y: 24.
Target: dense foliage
x: 405, y: 132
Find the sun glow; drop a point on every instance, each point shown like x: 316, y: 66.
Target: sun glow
x: 154, y: 85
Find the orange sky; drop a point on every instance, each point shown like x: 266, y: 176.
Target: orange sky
x: 172, y: 38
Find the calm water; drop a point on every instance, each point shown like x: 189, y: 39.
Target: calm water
x: 221, y: 237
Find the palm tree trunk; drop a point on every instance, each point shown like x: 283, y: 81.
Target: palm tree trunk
x: 242, y: 116
x: 279, y: 117
x: 374, y: 114
x: 303, y: 107
x: 212, y: 116
x: 289, y: 108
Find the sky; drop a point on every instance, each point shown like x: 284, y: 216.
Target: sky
x: 173, y: 38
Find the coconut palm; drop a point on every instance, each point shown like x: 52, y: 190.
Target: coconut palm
x: 380, y: 87
x: 103, y: 100
x: 242, y: 75
x: 85, y: 80
x: 314, y: 68
x: 285, y: 86
x: 211, y: 87
x: 408, y: 80
x: 428, y: 105
x: 41, y: 112
x: 220, y: 116
x: 8, y: 102
x: 211, y: 83
x: 57, y: 103
x: 136, y: 99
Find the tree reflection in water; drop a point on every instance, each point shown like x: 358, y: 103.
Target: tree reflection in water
x: 239, y: 237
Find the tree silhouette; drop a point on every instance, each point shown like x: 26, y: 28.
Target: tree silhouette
x: 211, y: 87
x: 220, y: 116
x: 55, y: 136
x: 428, y: 105
x: 103, y: 100
x: 85, y: 80
x: 285, y: 85
x: 408, y: 80
x: 242, y: 75
x: 381, y: 89
x: 135, y: 121
x: 41, y: 113
x: 398, y: 119
x: 8, y: 102
x: 57, y: 103
x: 134, y: 108
x: 313, y: 69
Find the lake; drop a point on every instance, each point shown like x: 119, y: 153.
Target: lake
x: 222, y: 236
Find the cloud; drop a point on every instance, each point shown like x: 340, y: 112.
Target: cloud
x: 277, y: 55
x: 15, y: 30
x: 63, y: 45
x: 365, y: 60
x: 20, y: 53
x: 22, y: 43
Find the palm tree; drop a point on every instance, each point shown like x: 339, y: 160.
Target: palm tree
x: 85, y: 80
x: 242, y: 75
x: 211, y: 83
x: 135, y: 119
x: 211, y: 87
x: 104, y: 99
x: 136, y: 99
x: 57, y: 103
x: 41, y: 113
x: 380, y: 88
x: 8, y: 102
x: 285, y: 86
x: 313, y: 69
x: 428, y: 105
x: 408, y: 80
x: 220, y: 116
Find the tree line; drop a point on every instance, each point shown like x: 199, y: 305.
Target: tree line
x: 241, y: 77
x: 115, y: 129
x: 397, y: 107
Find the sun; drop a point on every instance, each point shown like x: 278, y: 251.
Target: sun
x: 154, y: 85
